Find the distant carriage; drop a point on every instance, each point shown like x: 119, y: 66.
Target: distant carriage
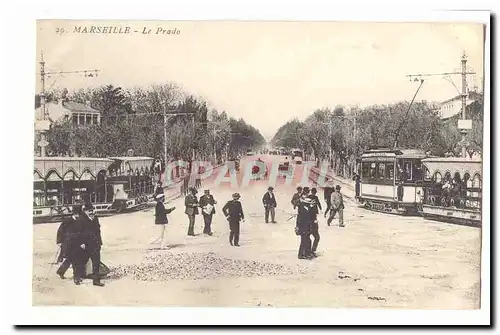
x: 452, y: 189
x: 111, y: 184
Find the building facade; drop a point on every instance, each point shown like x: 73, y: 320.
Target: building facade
x: 453, y: 106
x: 79, y: 114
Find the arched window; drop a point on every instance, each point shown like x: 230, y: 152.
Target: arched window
x: 456, y: 177
x: 437, y: 177
x: 447, y: 176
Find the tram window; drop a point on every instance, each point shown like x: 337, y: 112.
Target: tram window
x: 437, y: 177
x: 381, y: 170
x: 389, y: 171
x: 407, y: 170
x: 373, y: 170
x: 365, y: 170
x: 75, y: 120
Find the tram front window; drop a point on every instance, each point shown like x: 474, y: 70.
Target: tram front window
x: 381, y: 170
x: 389, y: 171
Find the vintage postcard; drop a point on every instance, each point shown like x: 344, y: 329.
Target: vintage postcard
x: 259, y: 164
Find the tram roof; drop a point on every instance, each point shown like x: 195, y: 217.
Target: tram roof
x: 453, y: 165
x: 399, y: 152
x: 60, y: 168
x: 133, y: 158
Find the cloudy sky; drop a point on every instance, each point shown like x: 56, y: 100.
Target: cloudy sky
x: 269, y: 72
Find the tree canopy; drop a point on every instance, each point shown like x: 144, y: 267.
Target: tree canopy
x: 133, y: 119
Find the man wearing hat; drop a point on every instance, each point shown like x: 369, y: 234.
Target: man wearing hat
x: 327, y: 193
x: 303, y: 227
x: 296, y: 197
x: 161, y: 217
x: 92, y: 241
x: 337, y: 206
x: 234, y: 214
x: 64, y: 239
x: 207, y: 203
x: 191, y: 203
x: 269, y: 202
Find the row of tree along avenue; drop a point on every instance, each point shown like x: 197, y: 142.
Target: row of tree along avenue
x: 134, y: 119
x: 344, y: 133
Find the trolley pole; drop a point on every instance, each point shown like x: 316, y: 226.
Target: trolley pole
x: 464, y: 125
x: 463, y: 131
x: 330, y: 137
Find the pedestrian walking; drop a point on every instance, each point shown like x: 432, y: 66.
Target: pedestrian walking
x: 269, y: 202
x: 316, y: 207
x: 92, y: 241
x: 63, y: 239
x: 74, y: 247
x: 233, y: 212
x: 337, y: 206
x: 191, y: 203
x: 207, y: 204
x: 357, y: 181
x: 161, y: 218
x: 303, y: 227
x: 327, y: 193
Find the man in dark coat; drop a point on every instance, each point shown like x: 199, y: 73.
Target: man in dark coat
x: 269, y: 202
x: 303, y: 227
x: 316, y: 207
x: 161, y: 217
x: 327, y: 193
x: 191, y: 203
x: 233, y: 212
x: 357, y: 180
x: 74, y: 247
x: 207, y: 203
x: 93, y: 241
x: 64, y: 238
x: 296, y: 197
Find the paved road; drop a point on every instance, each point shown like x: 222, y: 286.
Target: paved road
x: 376, y: 261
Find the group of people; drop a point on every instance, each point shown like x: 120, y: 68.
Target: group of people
x: 308, y: 206
x: 79, y: 238
x: 232, y: 211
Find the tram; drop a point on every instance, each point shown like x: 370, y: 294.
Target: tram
x: 112, y: 185
x: 453, y: 189
x: 391, y: 180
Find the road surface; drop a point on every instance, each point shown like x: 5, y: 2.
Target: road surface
x: 376, y: 261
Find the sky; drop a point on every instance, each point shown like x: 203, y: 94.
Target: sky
x: 268, y: 72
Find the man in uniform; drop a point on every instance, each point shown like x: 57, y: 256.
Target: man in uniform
x: 207, y: 203
x: 337, y: 206
x: 191, y: 203
x: 316, y: 207
x: 269, y: 202
x: 234, y: 214
x: 92, y: 242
